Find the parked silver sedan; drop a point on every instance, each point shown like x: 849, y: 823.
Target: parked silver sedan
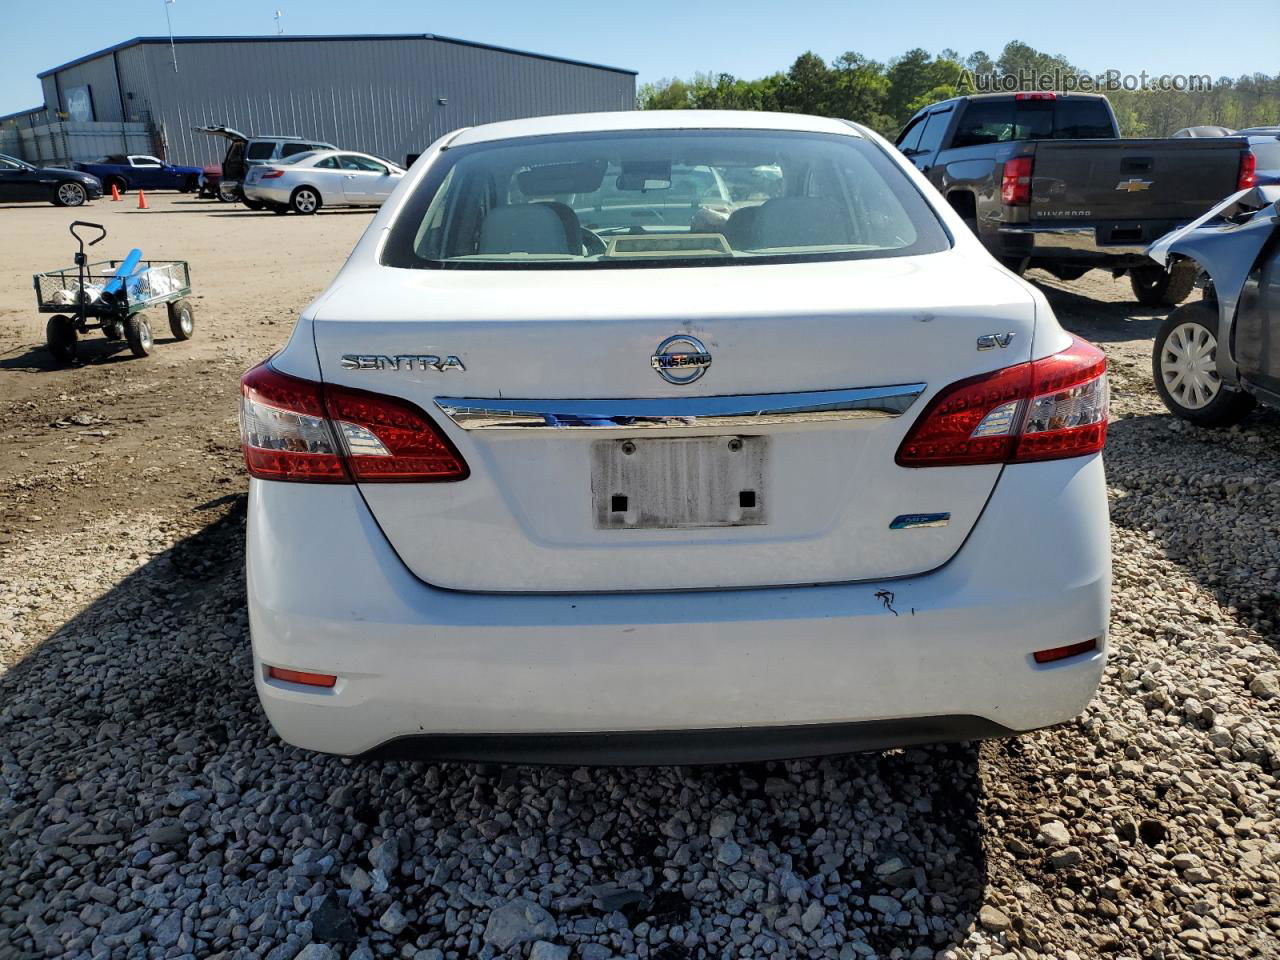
x: 308, y: 181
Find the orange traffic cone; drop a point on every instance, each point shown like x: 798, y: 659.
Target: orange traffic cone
x: 115, y: 192
x: 142, y: 200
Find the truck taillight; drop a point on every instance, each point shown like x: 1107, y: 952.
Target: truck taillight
x: 1015, y: 184
x: 1248, y: 178
x: 1047, y: 409
x: 309, y: 432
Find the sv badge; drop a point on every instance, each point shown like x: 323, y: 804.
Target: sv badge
x: 989, y: 341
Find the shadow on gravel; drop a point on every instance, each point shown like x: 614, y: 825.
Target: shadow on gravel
x: 91, y: 349
x: 143, y: 799
x: 1211, y: 499
x: 1103, y: 321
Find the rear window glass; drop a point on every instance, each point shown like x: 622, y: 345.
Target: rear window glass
x: 998, y: 121
x: 1267, y: 154
x: 661, y: 198
x: 262, y: 150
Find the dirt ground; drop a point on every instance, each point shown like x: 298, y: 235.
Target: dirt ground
x: 79, y: 443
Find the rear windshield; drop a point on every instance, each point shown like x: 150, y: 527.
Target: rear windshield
x: 997, y: 121
x: 661, y: 198
x: 262, y: 150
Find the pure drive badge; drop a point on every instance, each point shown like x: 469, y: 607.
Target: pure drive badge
x: 401, y: 361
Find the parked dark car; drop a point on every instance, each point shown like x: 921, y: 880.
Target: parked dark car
x: 244, y: 152
x: 141, y: 172
x: 1044, y: 180
x: 21, y: 182
x: 1214, y: 359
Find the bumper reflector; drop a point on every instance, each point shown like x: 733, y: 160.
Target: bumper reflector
x: 306, y: 679
x: 1062, y: 653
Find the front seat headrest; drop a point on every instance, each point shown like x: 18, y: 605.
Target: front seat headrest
x: 523, y: 228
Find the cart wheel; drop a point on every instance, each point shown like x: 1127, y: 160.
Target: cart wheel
x: 138, y: 332
x: 182, y: 319
x: 113, y: 330
x: 60, y: 337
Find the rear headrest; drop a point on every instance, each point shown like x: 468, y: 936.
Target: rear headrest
x: 799, y: 222
x: 523, y: 228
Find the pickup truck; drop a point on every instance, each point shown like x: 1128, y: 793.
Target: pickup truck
x: 1045, y: 180
x: 141, y: 173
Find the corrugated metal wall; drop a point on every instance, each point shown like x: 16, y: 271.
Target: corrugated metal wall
x: 379, y: 95
x: 100, y: 75
x: 53, y: 144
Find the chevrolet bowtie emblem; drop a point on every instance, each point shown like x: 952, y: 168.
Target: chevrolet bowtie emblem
x: 1133, y: 185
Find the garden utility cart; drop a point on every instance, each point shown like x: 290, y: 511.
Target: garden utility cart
x: 110, y: 295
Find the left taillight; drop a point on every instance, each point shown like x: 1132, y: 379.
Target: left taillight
x: 1047, y: 409
x: 308, y: 432
x: 271, y: 173
x: 1247, y: 178
x: 1015, y: 182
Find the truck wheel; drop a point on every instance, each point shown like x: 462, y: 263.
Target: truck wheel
x: 305, y: 200
x: 1156, y: 287
x: 182, y: 319
x: 60, y: 338
x: 138, y: 332
x: 1184, y: 363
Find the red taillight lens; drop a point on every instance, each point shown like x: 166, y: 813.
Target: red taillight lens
x: 1043, y: 410
x: 308, y: 432
x: 1248, y: 178
x: 1015, y: 185
x: 272, y: 174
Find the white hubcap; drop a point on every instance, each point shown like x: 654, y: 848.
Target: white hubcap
x: 1189, y: 366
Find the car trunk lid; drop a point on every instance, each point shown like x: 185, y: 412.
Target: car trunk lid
x: 537, y: 513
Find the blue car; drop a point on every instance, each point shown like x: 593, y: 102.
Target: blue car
x: 140, y: 172
x: 1265, y: 148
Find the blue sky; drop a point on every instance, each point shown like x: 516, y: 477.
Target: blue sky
x: 660, y: 38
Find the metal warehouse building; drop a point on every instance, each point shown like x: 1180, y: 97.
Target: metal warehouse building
x: 390, y: 95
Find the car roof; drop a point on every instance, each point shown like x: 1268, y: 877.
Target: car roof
x: 652, y: 120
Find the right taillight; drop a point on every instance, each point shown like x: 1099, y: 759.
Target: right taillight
x: 1015, y: 184
x: 1047, y: 409
x: 308, y: 432
x: 1248, y: 178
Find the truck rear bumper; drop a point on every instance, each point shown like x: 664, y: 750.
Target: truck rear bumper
x: 1116, y: 243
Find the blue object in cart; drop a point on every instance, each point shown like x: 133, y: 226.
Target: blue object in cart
x: 124, y: 271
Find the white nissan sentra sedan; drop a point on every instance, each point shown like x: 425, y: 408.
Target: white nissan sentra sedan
x: 305, y: 182
x: 603, y: 446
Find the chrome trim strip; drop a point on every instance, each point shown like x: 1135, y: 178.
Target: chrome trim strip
x: 819, y: 406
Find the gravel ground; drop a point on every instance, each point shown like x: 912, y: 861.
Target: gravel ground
x: 146, y: 809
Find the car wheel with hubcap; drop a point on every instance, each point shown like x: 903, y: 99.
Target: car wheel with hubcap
x: 70, y: 194
x: 182, y: 319
x: 1155, y: 287
x: 60, y: 337
x: 1184, y: 362
x: 305, y: 200
x: 138, y: 332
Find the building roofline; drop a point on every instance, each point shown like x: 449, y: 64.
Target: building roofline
x: 335, y: 36
x: 23, y: 113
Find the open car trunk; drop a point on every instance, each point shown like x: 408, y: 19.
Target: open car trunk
x: 573, y: 486
x: 233, y: 165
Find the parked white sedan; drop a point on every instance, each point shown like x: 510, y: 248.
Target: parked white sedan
x: 560, y: 469
x: 305, y: 182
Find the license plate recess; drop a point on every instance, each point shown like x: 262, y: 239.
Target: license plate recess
x: 682, y: 482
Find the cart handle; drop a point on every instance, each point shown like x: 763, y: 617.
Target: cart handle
x: 85, y: 223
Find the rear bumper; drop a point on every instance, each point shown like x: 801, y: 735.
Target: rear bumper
x: 1120, y: 243
x: 255, y: 191
x: 679, y: 677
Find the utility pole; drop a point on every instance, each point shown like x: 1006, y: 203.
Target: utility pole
x: 173, y: 50
x: 279, y: 23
